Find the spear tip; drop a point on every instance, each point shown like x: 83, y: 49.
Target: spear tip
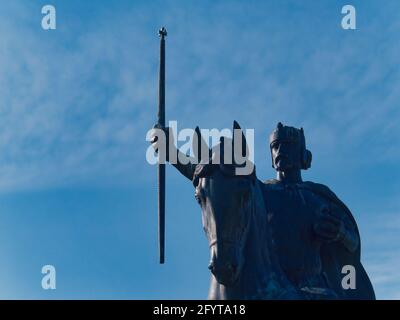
x: 162, y: 32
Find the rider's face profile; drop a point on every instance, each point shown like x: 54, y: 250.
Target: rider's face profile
x: 285, y: 155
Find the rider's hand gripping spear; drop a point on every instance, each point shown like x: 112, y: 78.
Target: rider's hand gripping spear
x: 161, y: 166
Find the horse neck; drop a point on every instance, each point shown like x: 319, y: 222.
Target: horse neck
x: 260, y: 262
x: 259, y: 256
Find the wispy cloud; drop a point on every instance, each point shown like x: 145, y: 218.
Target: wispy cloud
x: 380, y: 232
x: 71, y: 114
x: 69, y: 111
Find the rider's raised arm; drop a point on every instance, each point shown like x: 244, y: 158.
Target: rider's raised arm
x: 187, y: 167
x: 184, y: 163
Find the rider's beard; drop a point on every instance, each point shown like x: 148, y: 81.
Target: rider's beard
x: 282, y: 163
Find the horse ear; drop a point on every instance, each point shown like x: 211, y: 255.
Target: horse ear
x: 236, y: 127
x: 199, y: 144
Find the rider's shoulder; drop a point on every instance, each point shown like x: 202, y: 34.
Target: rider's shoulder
x: 314, y: 187
x: 324, y: 192
x: 319, y: 188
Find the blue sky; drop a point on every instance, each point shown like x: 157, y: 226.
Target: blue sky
x: 76, y: 103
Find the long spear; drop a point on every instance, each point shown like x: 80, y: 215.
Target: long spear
x: 161, y: 166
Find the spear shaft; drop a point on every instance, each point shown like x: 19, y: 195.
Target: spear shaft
x: 161, y: 166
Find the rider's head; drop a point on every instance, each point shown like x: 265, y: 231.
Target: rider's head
x: 288, y: 149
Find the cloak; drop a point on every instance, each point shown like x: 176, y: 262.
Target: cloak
x: 334, y: 255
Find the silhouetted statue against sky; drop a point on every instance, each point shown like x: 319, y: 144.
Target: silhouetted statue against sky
x: 279, y: 239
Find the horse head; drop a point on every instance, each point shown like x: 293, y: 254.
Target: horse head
x: 226, y: 200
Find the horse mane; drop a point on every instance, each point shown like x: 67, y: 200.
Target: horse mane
x: 202, y: 170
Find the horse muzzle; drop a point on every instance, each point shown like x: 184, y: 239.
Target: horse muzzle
x: 225, y: 263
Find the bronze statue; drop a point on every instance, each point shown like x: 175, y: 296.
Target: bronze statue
x: 281, y: 239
